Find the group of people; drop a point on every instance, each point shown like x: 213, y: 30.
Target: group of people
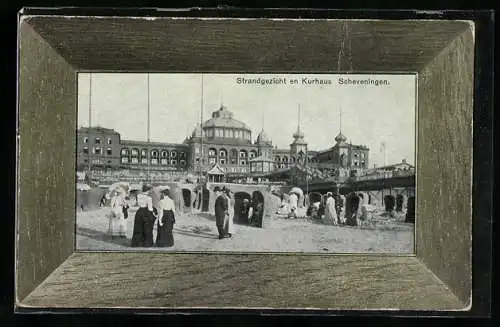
x: 224, y: 212
x: 335, y: 210
x: 351, y: 210
x: 146, y: 217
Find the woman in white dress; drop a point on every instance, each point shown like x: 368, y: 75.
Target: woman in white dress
x: 293, y: 203
x: 117, y: 223
x: 330, y: 212
x: 362, y: 214
x: 229, y: 228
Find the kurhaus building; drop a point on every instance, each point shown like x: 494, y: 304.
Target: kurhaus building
x: 222, y: 142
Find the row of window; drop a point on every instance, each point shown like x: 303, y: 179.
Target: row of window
x: 144, y: 161
x: 155, y: 154
x: 285, y: 159
x: 227, y: 133
x: 97, y: 140
x: 97, y: 150
x: 212, y: 152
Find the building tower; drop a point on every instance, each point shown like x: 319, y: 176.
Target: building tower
x: 298, y: 148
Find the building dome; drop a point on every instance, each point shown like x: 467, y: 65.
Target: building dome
x: 340, y: 138
x: 298, y: 134
x: 263, y: 137
x: 224, y: 118
x: 196, y: 131
x: 222, y: 125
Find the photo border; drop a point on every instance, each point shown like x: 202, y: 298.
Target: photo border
x: 482, y: 178
x: 146, y: 250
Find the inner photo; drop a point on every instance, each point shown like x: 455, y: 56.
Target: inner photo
x: 268, y: 163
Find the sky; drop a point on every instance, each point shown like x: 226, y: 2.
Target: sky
x: 371, y: 115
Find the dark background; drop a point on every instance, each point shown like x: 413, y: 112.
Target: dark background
x: 482, y: 127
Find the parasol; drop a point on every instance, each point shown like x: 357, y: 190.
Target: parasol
x: 156, y: 194
x: 82, y: 187
x: 297, y: 191
x: 135, y: 187
x: 124, y: 185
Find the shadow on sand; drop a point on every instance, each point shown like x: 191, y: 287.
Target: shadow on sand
x: 100, y: 236
x: 195, y: 234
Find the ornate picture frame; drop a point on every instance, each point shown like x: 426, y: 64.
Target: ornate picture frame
x: 453, y: 186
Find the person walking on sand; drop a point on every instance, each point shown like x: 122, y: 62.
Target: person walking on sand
x: 229, y: 226
x: 117, y: 226
x: 166, y: 221
x: 221, y: 211
x: 362, y: 214
x: 144, y: 220
x: 330, y: 212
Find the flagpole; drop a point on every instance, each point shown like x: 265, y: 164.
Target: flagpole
x: 201, y: 143
x: 90, y: 126
x: 148, y: 156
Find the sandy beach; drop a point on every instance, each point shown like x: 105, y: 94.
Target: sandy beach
x: 195, y: 232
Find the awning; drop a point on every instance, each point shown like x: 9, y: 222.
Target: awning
x: 216, y: 170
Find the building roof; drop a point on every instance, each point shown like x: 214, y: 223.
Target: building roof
x: 340, y: 138
x: 224, y: 118
x: 216, y: 170
x: 263, y: 137
x: 261, y: 159
x: 196, y: 131
x: 155, y: 144
x: 399, y: 164
x: 97, y: 129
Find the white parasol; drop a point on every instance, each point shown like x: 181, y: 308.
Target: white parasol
x: 82, y: 187
x: 297, y: 190
x: 135, y: 187
x: 123, y: 185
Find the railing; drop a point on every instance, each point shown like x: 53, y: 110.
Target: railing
x: 384, y: 175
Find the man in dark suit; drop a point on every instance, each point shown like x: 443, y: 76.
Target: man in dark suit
x: 221, y: 211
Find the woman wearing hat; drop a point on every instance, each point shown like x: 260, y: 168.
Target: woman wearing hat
x: 166, y: 221
x: 117, y: 226
x: 330, y: 212
x: 144, y: 220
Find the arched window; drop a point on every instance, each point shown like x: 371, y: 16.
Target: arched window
x: 154, y: 154
x: 173, y: 154
x: 212, y: 152
x: 243, y: 154
x: 234, y: 157
x: 124, y: 152
x: 182, y: 155
x: 85, y: 140
x: 277, y: 159
x: 222, y: 153
x: 292, y: 159
x: 164, y: 153
x: 183, y: 162
x: 144, y: 156
x: 253, y: 154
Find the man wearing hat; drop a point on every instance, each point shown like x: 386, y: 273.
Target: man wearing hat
x: 221, y: 210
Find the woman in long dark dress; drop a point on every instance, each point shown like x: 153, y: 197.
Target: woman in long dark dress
x: 144, y: 220
x: 166, y: 221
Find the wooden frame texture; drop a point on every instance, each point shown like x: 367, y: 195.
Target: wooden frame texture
x: 49, y: 274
